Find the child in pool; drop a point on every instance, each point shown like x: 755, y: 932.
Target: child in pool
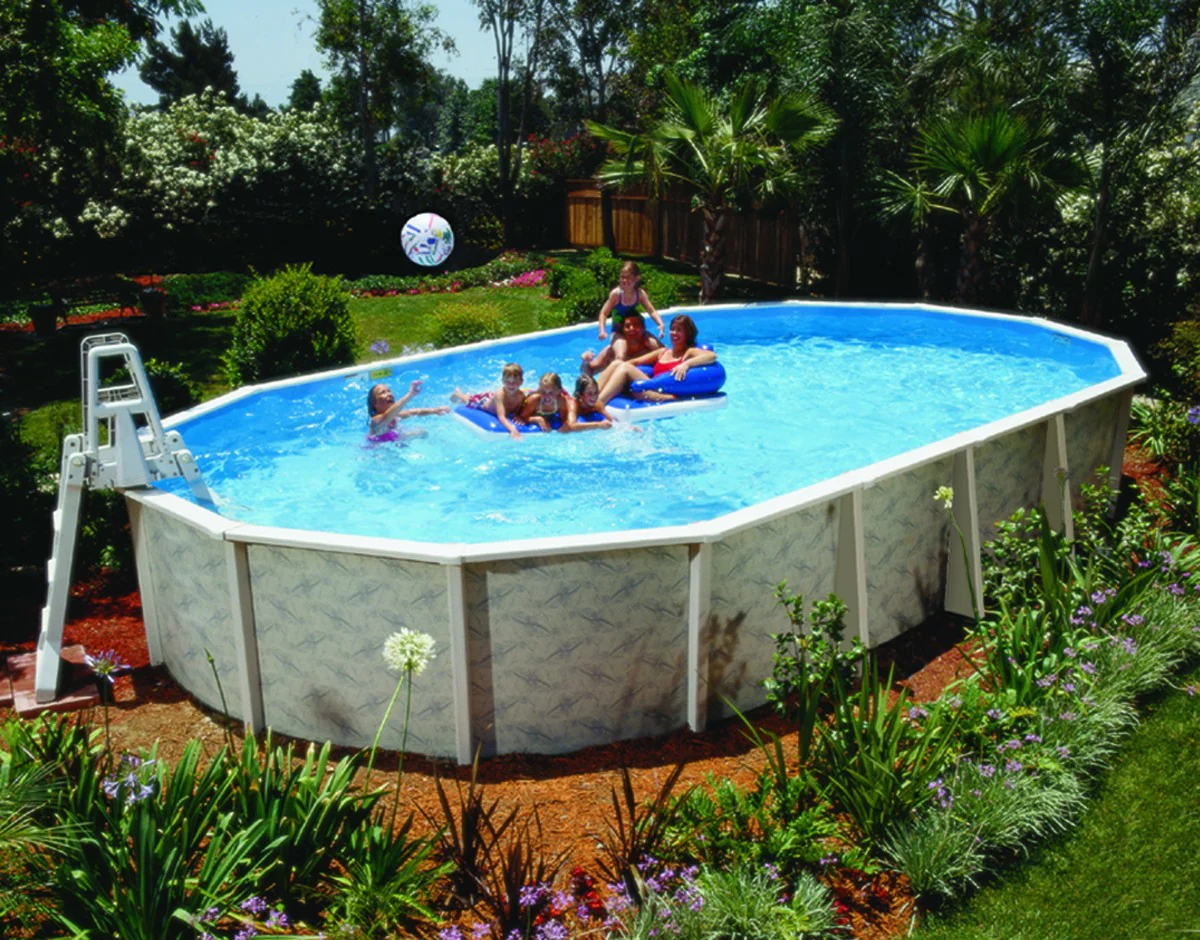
x: 508, y: 399
x: 550, y: 401
x: 622, y: 303
x: 384, y: 411
x: 587, y: 402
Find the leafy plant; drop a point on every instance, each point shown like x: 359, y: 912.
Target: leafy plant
x: 185, y: 291
x: 806, y: 664
x: 294, y: 321
x: 635, y: 832
x: 467, y: 323
x: 172, y: 387
x: 936, y: 851
x: 517, y: 879
x: 310, y: 810
x: 875, y: 760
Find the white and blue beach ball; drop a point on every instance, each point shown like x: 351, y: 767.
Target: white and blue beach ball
x: 427, y: 239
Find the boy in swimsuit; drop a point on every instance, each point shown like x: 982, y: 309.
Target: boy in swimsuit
x: 633, y: 341
x: 384, y: 411
x: 507, y: 400
x: 550, y: 406
x: 677, y: 359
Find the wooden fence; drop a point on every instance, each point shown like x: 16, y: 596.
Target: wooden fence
x: 758, y: 245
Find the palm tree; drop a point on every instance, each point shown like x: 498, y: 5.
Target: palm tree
x: 978, y: 167
x: 721, y: 154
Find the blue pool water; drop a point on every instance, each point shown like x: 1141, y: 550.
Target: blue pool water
x: 812, y: 392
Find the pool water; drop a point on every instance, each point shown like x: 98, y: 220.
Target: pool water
x: 812, y: 392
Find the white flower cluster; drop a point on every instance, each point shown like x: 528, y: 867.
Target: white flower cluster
x: 408, y: 651
x: 108, y: 220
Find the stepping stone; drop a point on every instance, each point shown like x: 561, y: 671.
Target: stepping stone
x: 76, y: 688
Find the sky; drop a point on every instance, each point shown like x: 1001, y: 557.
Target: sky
x: 272, y: 43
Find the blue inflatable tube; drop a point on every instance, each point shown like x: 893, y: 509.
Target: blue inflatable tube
x: 487, y: 422
x: 700, y: 380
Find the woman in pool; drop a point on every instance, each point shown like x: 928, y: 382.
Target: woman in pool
x: 384, y: 412
x: 677, y: 359
x: 550, y: 406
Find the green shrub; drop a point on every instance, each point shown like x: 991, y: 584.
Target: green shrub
x: 551, y: 318
x: 1181, y: 350
x: 556, y: 279
x: 185, y: 291
x: 294, y: 321
x: 604, y: 268
x: 467, y: 323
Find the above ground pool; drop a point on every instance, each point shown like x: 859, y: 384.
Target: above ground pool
x: 584, y: 588
x: 812, y: 392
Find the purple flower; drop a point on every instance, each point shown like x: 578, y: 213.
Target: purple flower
x: 1069, y: 653
x: 1193, y: 415
x: 246, y: 933
x: 1088, y: 668
x: 771, y: 870
x: 1063, y: 751
x: 106, y: 665
x: 1012, y: 766
x: 551, y: 930
x: 1133, y: 620
x: 1129, y: 646
x: 1190, y: 689
x: 987, y: 771
x: 1176, y: 589
x: 530, y: 895
x: 1066, y: 716
x: 1033, y: 738
x: 1046, y: 681
x: 277, y: 919
x: 1011, y: 745
x: 995, y: 714
x: 254, y: 905
x: 450, y: 933
x: 916, y: 713
x: 827, y: 860
x: 381, y: 347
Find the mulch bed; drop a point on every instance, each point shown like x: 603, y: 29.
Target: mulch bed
x: 81, y: 319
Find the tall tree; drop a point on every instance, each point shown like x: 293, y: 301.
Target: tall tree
x: 1134, y: 61
x: 374, y: 48
x: 585, y: 47
x: 200, y: 58
x: 723, y: 154
x: 504, y: 18
x: 978, y: 167
x: 58, y: 109
x: 306, y: 92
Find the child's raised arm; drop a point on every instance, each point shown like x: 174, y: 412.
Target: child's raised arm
x: 645, y: 299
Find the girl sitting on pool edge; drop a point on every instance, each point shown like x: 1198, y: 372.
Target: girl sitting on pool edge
x: 677, y: 358
x: 384, y: 411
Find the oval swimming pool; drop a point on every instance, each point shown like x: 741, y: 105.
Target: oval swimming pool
x: 581, y: 589
x: 812, y: 392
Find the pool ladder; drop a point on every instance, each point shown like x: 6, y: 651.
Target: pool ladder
x: 123, y: 446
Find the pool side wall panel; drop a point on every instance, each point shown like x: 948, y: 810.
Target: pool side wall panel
x: 569, y: 651
x: 192, y: 607
x: 321, y: 619
x: 747, y: 566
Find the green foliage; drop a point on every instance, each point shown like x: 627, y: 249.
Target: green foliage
x: 937, y: 853
x: 807, y: 664
x: 27, y: 493
x: 185, y: 291
x: 294, y: 321
x: 877, y: 760
x: 745, y: 902
x: 200, y: 59
x: 389, y: 882
x: 500, y: 268
x: 310, y: 811
x: 467, y: 323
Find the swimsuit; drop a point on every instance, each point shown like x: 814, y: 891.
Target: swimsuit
x: 621, y: 310
x: 480, y: 400
x: 664, y: 365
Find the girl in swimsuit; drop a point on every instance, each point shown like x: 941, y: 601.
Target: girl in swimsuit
x: 384, y: 411
x: 506, y: 401
x: 587, y: 401
x: 677, y: 358
x: 622, y: 303
x: 550, y: 406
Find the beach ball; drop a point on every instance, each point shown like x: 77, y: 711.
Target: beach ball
x: 427, y: 239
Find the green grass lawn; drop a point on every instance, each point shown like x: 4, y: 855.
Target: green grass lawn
x: 1130, y: 870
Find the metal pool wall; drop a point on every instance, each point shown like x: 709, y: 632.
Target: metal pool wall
x: 551, y: 645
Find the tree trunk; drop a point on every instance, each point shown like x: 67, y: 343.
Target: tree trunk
x: 365, y: 128
x: 1092, y: 312
x: 924, y: 266
x: 970, y: 272
x: 712, y: 253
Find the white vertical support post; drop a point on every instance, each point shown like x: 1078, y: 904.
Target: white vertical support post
x: 1124, y: 404
x: 698, y: 610
x: 459, y: 663
x: 1056, y: 478
x: 245, y: 642
x: 964, y: 571
x: 850, y: 574
x: 145, y: 576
